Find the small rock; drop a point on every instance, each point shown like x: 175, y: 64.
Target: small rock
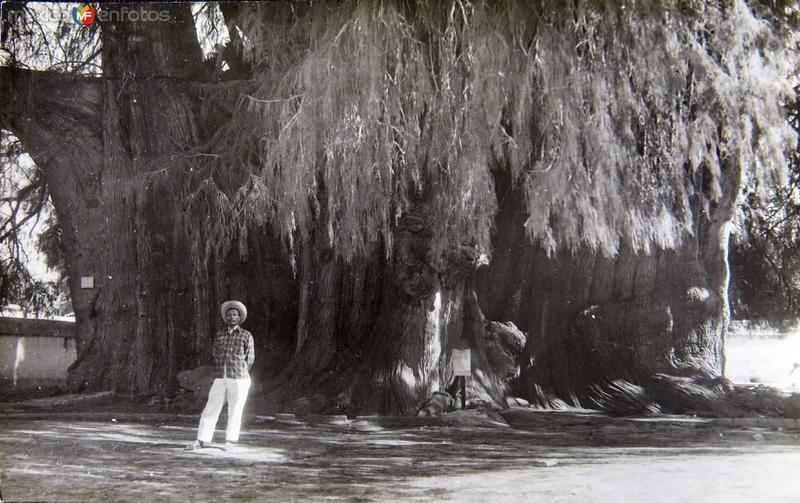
x: 439, y: 403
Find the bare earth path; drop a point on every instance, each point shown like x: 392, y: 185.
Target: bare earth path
x: 44, y: 459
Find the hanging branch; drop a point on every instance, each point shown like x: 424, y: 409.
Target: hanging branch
x: 16, y: 201
x: 607, y: 132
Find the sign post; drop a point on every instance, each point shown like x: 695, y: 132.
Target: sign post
x: 462, y: 368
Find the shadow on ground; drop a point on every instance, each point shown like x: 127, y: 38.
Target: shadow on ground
x: 66, y: 460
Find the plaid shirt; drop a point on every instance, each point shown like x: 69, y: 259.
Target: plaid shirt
x: 234, y: 353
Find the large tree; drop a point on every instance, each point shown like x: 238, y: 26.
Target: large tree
x: 384, y: 182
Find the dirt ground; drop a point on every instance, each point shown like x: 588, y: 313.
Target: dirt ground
x: 47, y: 457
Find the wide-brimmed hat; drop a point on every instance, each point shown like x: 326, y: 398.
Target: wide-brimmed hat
x: 234, y: 304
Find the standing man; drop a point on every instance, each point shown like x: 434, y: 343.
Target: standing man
x: 234, y: 354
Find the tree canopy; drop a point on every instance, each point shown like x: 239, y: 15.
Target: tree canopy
x: 609, y: 141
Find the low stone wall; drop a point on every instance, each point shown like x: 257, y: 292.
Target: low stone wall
x: 35, y: 352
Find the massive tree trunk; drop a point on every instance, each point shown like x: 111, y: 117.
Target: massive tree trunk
x: 375, y: 335
x: 102, y: 144
x: 143, y: 302
x: 616, y: 333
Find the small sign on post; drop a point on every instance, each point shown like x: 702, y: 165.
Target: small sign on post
x: 462, y: 368
x: 462, y: 363
x: 87, y: 282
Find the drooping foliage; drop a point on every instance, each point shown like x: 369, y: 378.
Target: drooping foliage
x: 607, y: 113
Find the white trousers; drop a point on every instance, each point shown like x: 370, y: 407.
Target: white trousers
x: 234, y: 391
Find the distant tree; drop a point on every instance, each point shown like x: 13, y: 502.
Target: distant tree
x: 23, y: 200
x: 765, y: 250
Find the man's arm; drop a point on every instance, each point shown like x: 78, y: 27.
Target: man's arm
x: 251, y: 351
x: 216, y: 348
